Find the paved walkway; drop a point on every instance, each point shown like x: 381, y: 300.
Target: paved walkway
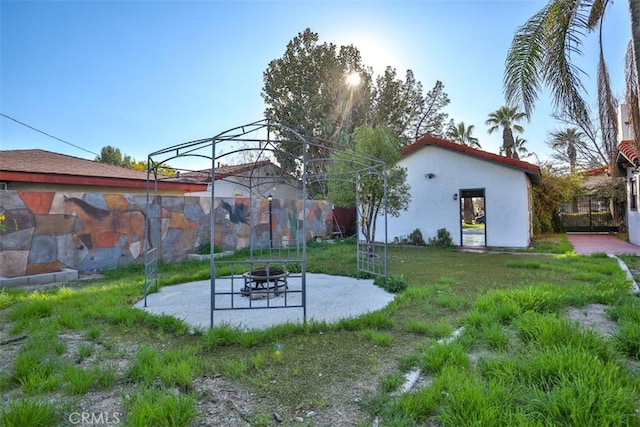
x: 328, y: 299
x: 590, y: 243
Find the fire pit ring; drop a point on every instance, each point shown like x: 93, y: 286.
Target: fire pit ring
x: 264, y: 280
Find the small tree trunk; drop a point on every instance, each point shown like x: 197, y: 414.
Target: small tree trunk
x: 507, y: 141
x: 468, y: 213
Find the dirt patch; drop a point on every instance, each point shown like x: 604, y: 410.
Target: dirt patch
x: 594, y: 317
x: 220, y: 401
x: 226, y: 403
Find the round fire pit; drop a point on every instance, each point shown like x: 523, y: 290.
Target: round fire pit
x: 261, y: 282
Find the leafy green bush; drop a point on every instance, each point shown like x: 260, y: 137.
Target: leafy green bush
x: 205, y: 248
x: 443, y: 239
x: 415, y: 237
x: 394, y: 283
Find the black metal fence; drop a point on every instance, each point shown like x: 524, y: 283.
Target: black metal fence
x: 588, y: 214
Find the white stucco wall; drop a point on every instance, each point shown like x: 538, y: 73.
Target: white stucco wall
x: 507, y: 200
x: 633, y: 216
x: 265, y: 181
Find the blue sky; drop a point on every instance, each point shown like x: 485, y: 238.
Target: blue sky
x: 147, y: 75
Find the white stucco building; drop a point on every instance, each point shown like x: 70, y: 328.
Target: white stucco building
x: 257, y: 179
x: 628, y: 160
x: 442, y: 174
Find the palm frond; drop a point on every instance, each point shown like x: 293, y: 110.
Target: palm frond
x: 525, y: 59
x: 631, y: 97
x: 597, y: 12
x: 607, y: 107
x: 565, y: 24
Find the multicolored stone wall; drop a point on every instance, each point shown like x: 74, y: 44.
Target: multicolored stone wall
x: 48, y: 231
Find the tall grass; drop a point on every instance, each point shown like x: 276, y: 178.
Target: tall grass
x: 510, y: 366
x: 28, y: 412
x: 154, y: 407
x: 520, y: 361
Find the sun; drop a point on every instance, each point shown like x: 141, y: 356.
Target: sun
x: 353, y: 79
x: 376, y: 53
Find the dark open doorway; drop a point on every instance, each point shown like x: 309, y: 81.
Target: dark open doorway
x: 473, y: 227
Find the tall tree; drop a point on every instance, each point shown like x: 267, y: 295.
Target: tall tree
x: 519, y: 148
x: 463, y: 135
x: 633, y: 67
x: 506, y: 118
x: 113, y: 156
x: 565, y: 144
x: 307, y: 89
x: 370, y: 143
x: 432, y: 120
x: 542, y: 54
x: 396, y: 103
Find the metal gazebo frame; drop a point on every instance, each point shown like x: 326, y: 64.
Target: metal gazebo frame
x: 262, y: 140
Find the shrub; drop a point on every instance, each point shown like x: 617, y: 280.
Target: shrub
x: 416, y: 238
x: 394, y: 283
x: 205, y: 248
x: 443, y: 239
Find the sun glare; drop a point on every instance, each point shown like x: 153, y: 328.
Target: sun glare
x: 376, y: 52
x: 353, y: 79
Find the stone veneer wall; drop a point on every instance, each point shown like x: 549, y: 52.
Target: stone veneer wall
x: 49, y: 231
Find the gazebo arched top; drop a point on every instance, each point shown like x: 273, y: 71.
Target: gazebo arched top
x: 264, y: 136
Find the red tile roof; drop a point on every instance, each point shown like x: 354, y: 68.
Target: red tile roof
x: 598, y: 171
x: 533, y: 171
x: 627, y: 149
x: 44, y: 166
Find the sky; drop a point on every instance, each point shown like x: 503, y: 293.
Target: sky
x: 146, y: 75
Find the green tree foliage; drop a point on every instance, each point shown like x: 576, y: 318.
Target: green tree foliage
x: 113, y: 156
x: 519, y: 147
x: 565, y: 144
x: 432, y: 120
x: 463, y: 135
x: 548, y: 197
x: 309, y: 89
x: 507, y: 119
x: 371, y: 145
x: 396, y: 103
x: 542, y: 54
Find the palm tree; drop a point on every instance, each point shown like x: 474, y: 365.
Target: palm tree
x: 518, y: 146
x: 519, y: 150
x: 462, y: 135
x: 507, y: 118
x: 542, y: 54
x: 567, y: 141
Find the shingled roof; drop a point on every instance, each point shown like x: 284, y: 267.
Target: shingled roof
x: 41, y: 161
x: 222, y: 172
x: 533, y: 171
x: 43, y: 166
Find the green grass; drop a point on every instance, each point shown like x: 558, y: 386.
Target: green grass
x: 153, y: 407
x: 551, y: 243
x: 28, y: 412
x: 510, y: 366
